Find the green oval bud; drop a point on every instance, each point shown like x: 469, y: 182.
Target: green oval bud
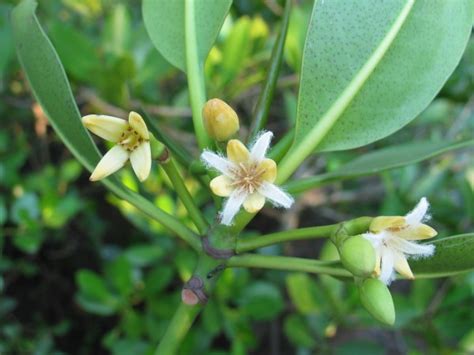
x: 156, y: 147
x: 377, y: 300
x: 358, y: 256
x: 220, y: 120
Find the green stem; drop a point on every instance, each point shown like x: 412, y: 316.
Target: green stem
x: 195, y: 72
x: 279, y: 150
x: 144, y: 205
x: 194, y: 212
x: 179, y: 152
x: 253, y: 243
x: 177, y: 329
x: 305, y: 184
x: 263, y: 106
x: 351, y: 227
x: 287, y: 263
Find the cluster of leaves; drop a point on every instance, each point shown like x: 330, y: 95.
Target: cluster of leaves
x: 53, y: 231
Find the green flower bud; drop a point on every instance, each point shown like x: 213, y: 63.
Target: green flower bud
x: 377, y: 300
x: 358, y: 256
x: 156, y: 147
x: 220, y: 120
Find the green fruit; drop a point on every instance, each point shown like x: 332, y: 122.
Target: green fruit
x: 358, y: 256
x: 377, y: 300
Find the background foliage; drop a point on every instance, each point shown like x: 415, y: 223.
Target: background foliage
x: 83, y: 272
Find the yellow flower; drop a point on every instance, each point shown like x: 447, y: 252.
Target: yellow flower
x: 393, y: 240
x: 247, y: 178
x: 133, y: 142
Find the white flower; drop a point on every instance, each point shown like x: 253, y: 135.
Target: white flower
x: 392, y: 238
x: 133, y: 142
x: 247, y: 178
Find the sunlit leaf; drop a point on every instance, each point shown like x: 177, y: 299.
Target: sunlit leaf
x: 369, y: 68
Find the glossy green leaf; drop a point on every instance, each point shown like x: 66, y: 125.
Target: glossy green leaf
x: 164, y: 21
x: 452, y: 255
x: 380, y: 160
x: 369, y: 68
x: 51, y: 89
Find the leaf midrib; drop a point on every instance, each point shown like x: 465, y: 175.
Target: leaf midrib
x: 307, y: 145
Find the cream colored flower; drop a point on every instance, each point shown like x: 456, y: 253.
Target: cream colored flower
x: 247, y: 178
x: 133, y: 142
x: 393, y: 240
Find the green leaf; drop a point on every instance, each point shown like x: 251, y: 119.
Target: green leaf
x: 452, y: 255
x: 302, y: 291
x: 144, y: 255
x: 94, y: 296
x: 261, y: 301
x: 50, y: 87
x: 117, y: 30
x: 298, y: 332
x: 380, y: 160
x: 164, y: 21
x: 369, y: 68
x: 120, y: 274
x: 76, y: 50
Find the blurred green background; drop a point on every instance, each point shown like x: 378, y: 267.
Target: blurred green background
x: 82, y: 272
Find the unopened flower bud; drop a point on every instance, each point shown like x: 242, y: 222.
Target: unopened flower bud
x: 358, y: 256
x: 220, y: 120
x: 156, y: 146
x: 377, y: 300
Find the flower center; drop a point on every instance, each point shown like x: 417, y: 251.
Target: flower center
x: 248, y: 176
x: 130, y: 139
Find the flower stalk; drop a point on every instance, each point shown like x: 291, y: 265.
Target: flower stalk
x: 171, y: 170
x: 287, y: 263
x: 352, y: 227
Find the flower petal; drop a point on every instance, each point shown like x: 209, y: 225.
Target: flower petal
x: 401, y: 265
x: 254, y: 202
x: 419, y: 232
x: 237, y: 152
x: 141, y: 161
x: 378, y: 224
x: 270, y: 170
x: 276, y: 195
x: 107, y: 127
x: 112, y: 161
x: 418, y: 214
x: 412, y: 248
x: 232, y: 206
x: 222, y: 186
x: 260, y: 147
x: 139, y: 125
x: 217, y: 162
x: 386, y: 273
